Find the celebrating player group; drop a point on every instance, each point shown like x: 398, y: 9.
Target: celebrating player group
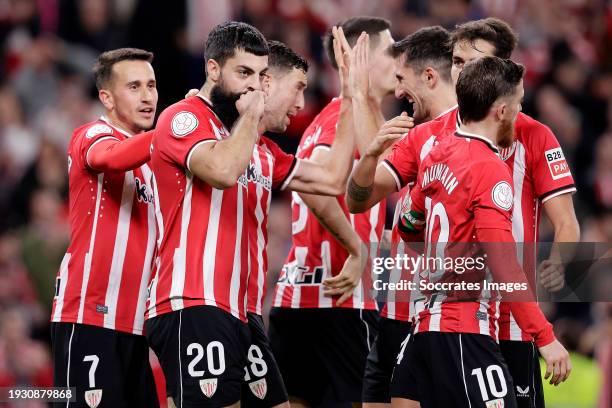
x: 169, y: 228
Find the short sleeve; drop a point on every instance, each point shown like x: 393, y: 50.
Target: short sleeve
x: 327, y: 132
x: 93, y: 135
x: 551, y: 173
x: 179, y: 132
x: 284, y: 164
x: 402, y: 162
x: 492, y: 196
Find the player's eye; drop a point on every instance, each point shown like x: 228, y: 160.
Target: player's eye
x: 243, y: 73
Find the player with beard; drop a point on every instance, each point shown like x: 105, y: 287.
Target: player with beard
x: 196, y: 317
x: 321, y: 337
x: 271, y: 168
x: 542, y: 180
x: 98, y: 308
x: 440, y: 365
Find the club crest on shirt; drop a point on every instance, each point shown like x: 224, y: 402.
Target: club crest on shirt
x: 93, y: 398
x: 183, y: 123
x: 496, y: 403
x: 208, y: 386
x: 98, y: 129
x: 259, y: 388
x: 502, y: 195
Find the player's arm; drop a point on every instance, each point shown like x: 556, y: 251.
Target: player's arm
x: 330, y: 215
x: 111, y: 154
x: 370, y: 182
x: 560, y: 212
x: 220, y: 163
x: 328, y: 173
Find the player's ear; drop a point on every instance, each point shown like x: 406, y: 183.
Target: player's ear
x: 107, y: 99
x: 430, y: 77
x: 500, y: 111
x: 213, y: 70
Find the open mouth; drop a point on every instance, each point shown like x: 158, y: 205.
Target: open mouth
x: 147, y: 111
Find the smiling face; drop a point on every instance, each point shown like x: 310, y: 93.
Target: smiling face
x: 410, y: 86
x: 465, y: 51
x: 131, y: 96
x: 285, y: 98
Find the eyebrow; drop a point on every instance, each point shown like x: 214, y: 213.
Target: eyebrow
x: 136, y: 82
x: 244, y: 67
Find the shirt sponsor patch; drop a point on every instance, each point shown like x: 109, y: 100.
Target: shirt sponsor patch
x: 502, y: 195
x: 183, y: 123
x: 98, y: 129
x: 556, y: 163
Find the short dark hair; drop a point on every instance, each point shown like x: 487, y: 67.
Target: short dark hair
x: 496, y: 31
x: 284, y: 58
x: 226, y: 38
x: 352, y: 28
x: 103, y: 68
x: 484, y: 81
x: 429, y: 46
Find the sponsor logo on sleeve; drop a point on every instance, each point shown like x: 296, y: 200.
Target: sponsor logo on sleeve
x: 502, y: 195
x: 183, y: 123
x: 556, y: 163
x: 98, y: 129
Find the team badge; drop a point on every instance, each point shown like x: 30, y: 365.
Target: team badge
x: 208, y: 386
x: 183, y: 123
x: 496, y: 403
x: 93, y: 398
x: 556, y: 163
x: 98, y: 129
x: 259, y: 388
x: 502, y: 195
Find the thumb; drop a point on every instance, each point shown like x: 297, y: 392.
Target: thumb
x: 404, y: 114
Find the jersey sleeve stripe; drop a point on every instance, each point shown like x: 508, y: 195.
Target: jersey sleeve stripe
x: 192, y: 149
x: 290, y: 173
x: 398, y: 180
x: 95, y: 143
x: 571, y: 188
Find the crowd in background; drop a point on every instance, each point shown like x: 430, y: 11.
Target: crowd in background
x: 47, y: 49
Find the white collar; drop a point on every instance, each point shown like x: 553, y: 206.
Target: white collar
x: 125, y: 132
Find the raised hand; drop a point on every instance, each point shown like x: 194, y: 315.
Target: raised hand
x: 359, y: 76
x: 342, y: 52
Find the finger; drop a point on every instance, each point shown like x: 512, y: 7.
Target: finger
x: 563, y: 373
x: 343, y: 42
x: 556, y: 371
x: 338, y: 54
x: 335, y: 281
x: 333, y: 292
x: 366, y: 50
x: 549, y: 370
x: 344, y: 298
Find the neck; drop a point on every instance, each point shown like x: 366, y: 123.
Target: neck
x: 206, y: 89
x: 115, y: 121
x: 483, y: 128
x: 442, y: 101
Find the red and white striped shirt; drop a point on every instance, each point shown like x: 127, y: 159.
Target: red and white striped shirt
x: 202, y: 231
x: 416, y: 145
x: 104, y: 275
x: 539, y: 172
x: 315, y: 254
x: 459, y: 186
x: 270, y: 168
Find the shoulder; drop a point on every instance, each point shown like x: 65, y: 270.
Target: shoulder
x: 94, y: 129
x: 188, y: 115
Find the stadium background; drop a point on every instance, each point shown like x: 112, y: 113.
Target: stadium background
x: 46, y: 90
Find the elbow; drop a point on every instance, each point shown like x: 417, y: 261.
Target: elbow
x: 225, y: 180
x: 353, y: 206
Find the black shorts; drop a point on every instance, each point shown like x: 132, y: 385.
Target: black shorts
x: 322, y: 352
x: 382, y: 359
x: 522, y: 358
x: 202, y: 351
x: 106, y: 366
x: 263, y: 384
x: 447, y: 370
